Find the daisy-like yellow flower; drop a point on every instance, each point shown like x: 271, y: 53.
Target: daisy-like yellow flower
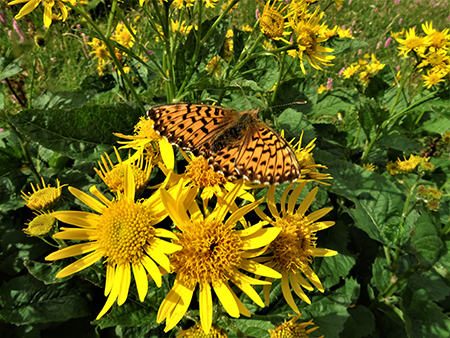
x: 368, y: 166
x: 295, y: 247
x: 397, y: 34
x: 308, y: 166
x: 197, y: 332
x: 408, y: 164
x: 210, y: 3
x: 350, y: 71
x: 412, y: 42
x: 113, y: 175
x: 322, y: 89
x: 213, y: 66
x: 100, y: 52
x: 247, y: 29
x: 309, y: 35
x: 44, y: 198
x: 123, y: 233
x: 433, y: 77
x: 392, y: 168
x: 180, y: 27
x: 31, y: 5
x: 213, y: 254
x: 123, y: 36
x: 435, y: 58
x: 446, y: 137
x: 292, y: 329
x: 272, y: 20
x: 40, y: 226
x: 143, y: 139
x: 437, y: 39
x: 199, y: 174
x: 331, y: 32
x: 345, y: 33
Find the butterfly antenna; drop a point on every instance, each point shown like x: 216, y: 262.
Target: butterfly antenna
x: 284, y: 105
x: 237, y: 84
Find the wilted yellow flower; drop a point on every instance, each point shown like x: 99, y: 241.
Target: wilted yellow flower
x: 43, y: 199
x: 40, y: 226
x: 446, y: 137
x: 392, y: 168
x: 197, y: 332
x: 368, y: 166
x: 272, y: 20
x: 291, y: 329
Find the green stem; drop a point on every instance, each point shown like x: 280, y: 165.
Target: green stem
x: 111, y: 52
x: 111, y: 19
x: 33, y: 72
x: 277, y: 84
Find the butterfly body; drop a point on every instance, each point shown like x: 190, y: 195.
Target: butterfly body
x: 236, y: 144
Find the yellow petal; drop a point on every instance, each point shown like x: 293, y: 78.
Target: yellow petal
x: 307, y: 201
x: 242, y: 309
x: 179, y: 217
x: 262, y: 215
x: 261, y: 238
x: 225, y: 296
x: 112, y: 296
x: 266, y: 291
x: 317, y: 252
x: 250, y: 231
x: 79, y: 265
x: 235, y: 216
x: 206, y: 307
x: 26, y: 9
x: 47, y: 15
x: 271, y: 201
x: 169, y: 302
x: 287, y: 292
x: 110, y: 273
x: 160, y: 232
x: 294, y: 197
x: 164, y: 246
x: 313, y: 278
x: 259, y: 269
x: 79, y: 218
x: 321, y: 225
x: 86, y: 199
x: 284, y: 197
x: 247, y: 279
x: 74, y: 250
x: 298, y: 290
x: 152, y: 269
x: 314, y: 216
x: 247, y: 289
x: 179, y: 311
x: 129, y: 186
x: 76, y: 234
x: 141, y: 280
x: 298, y: 278
x: 123, y: 273
x: 158, y: 257
x: 167, y: 153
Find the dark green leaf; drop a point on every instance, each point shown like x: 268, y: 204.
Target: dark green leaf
x: 80, y: 133
x: 425, y: 240
x: 345, y: 45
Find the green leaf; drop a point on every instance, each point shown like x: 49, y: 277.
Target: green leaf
x: 98, y: 83
x: 397, y: 141
x: 293, y: 123
x: 380, y: 274
x: 425, y: 240
x: 361, y: 323
x: 9, y: 67
x: 337, y: 101
x: 345, y: 45
x: 129, y: 314
x: 10, y: 155
x: 80, y: 133
x: 423, y: 317
x: 378, y: 202
x: 25, y: 300
x: 371, y: 115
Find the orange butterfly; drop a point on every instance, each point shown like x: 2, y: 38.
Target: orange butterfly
x: 236, y: 144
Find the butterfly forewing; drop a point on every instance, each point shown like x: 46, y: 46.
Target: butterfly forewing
x: 238, y: 145
x: 190, y: 126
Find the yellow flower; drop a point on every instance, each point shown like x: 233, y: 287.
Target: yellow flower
x: 435, y: 58
x: 434, y: 193
x: 308, y: 166
x: 197, y: 332
x: 43, y: 199
x: 291, y: 329
x: 212, y: 254
x: 331, y: 32
x: 213, y: 66
x: 210, y: 3
x: 180, y: 27
x: 31, y: 5
x: 272, y: 21
x: 247, y: 28
x: 392, y: 168
x: 345, y: 33
x: 408, y: 165
x: 446, y: 137
x: 100, y: 51
x: 295, y: 247
x: 397, y: 34
x: 349, y: 71
x: 368, y: 166
x: 226, y: 4
x: 433, y: 77
x: 309, y: 35
x: 322, y: 89
x: 113, y: 175
x: 142, y: 141
x: 437, y: 39
x: 123, y: 36
x: 227, y: 49
x: 412, y: 42
x: 123, y: 233
x: 42, y: 225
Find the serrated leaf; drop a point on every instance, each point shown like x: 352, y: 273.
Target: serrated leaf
x: 293, y: 123
x: 129, y: 314
x: 337, y: 101
x: 345, y: 45
x: 400, y: 142
x: 80, y: 133
x: 25, y: 300
x: 425, y: 240
x: 73, y: 99
x: 9, y: 67
x: 378, y: 202
x: 361, y: 323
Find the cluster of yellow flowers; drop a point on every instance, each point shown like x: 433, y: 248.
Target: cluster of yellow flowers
x: 307, y: 33
x: 431, y: 50
x: 212, y: 244
x: 431, y: 196
x: 364, y: 68
x: 123, y: 37
x: 408, y: 165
